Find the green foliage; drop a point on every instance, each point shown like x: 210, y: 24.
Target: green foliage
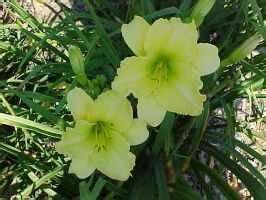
x: 36, y: 74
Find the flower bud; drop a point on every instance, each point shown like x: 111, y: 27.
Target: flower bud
x: 200, y: 10
x: 77, y: 62
x: 243, y: 50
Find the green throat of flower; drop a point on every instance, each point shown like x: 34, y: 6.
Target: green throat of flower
x: 102, y: 132
x: 160, y: 70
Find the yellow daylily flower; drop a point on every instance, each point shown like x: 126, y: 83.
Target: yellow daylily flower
x: 165, y: 73
x: 102, y: 135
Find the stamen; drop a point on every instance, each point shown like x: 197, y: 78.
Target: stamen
x: 102, y: 131
x: 160, y: 70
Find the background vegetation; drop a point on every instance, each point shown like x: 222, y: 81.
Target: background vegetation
x: 213, y: 156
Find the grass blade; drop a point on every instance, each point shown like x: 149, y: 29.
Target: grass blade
x: 161, y: 181
x: 228, y: 192
x: 110, y: 51
x: 32, y: 21
x: 26, y: 192
x: 255, y: 188
x: 43, y: 111
x: 184, y: 191
x: 170, y: 11
x: 251, y: 151
x: 86, y: 194
x: 30, y: 125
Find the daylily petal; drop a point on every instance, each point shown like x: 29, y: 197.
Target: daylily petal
x: 134, y: 34
x: 75, y: 139
x: 166, y: 36
x: 180, y: 104
x: 118, y: 165
x: 183, y: 32
x: 157, y: 36
x: 137, y: 133
x: 80, y: 104
x: 183, y: 97
x: 207, y: 59
x: 150, y: 111
x: 116, y: 161
x: 113, y: 107
x: 71, y: 143
x: 133, y: 77
x: 183, y: 40
x: 82, y: 167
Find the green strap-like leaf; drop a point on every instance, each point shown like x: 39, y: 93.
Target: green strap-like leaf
x: 15, y: 152
x: 256, y: 189
x: 205, y: 186
x: 184, y: 191
x: 228, y: 192
x: 20, y: 155
x: 30, y: 125
x: 107, y: 43
x: 244, y: 161
x: 162, y: 13
x: 161, y: 181
x: 43, y: 111
x: 25, y: 16
x: 200, y: 10
x: 26, y: 192
x: 251, y: 151
x: 87, y: 194
x: 250, y: 167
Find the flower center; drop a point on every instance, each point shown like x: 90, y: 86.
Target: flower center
x: 160, y: 70
x: 102, y: 133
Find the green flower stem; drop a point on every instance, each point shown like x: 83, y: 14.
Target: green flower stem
x: 201, y: 127
x: 183, y: 136
x: 163, y: 137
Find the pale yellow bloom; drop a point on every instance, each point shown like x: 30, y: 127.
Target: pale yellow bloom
x: 165, y: 73
x: 102, y: 135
